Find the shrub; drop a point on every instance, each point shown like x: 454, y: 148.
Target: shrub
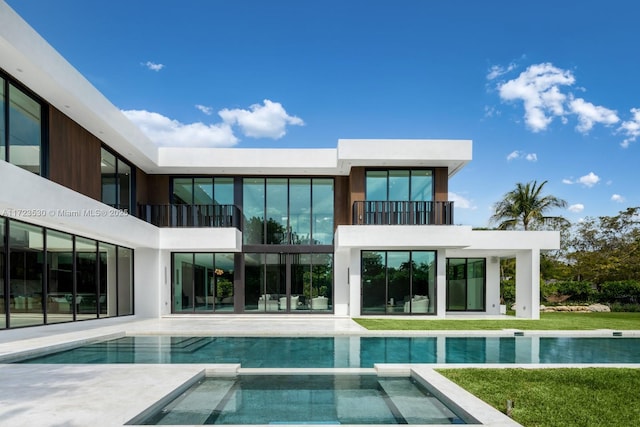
x: 619, y: 307
x: 577, y: 291
x: 508, y: 292
x: 625, y: 291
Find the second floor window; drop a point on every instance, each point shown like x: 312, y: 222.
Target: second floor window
x: 415, y: 185
x: 116, y: 181
x: 20, y: 128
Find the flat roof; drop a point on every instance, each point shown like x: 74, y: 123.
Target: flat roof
x: 31, y: 60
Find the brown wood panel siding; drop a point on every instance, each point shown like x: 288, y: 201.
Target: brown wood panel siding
x: 342, y: 210
x: 74, y: 155
x: 441, y: 183
x: 158, y: 189
x: 141, y: 187
x: 356, y: 187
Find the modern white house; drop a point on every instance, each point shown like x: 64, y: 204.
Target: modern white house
x: 97, y: 221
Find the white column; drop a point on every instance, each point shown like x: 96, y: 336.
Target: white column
x: 341, y: 294
x: 441, y: 282
x: 492, y: 285
x: 147, y: 280
x: 354, y: 282
x: 528, y: 284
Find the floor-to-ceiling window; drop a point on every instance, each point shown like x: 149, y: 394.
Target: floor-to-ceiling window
x: 86, y: 278
x: 4, y: 301
x: 117, y: 181
x: 21, y: 128
x: 26, y: 261
x: 59, y: 277
x: 398, y: 196
x: 466, y: 284
x: 287, y: 211
x: 48, y: 276
x: 398, y: 282
x: 203, y: 282
x: 288, y: 226
x: 288, y: 282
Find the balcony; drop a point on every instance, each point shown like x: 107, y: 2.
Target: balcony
x: 402, y: 213
x: 190, y: 215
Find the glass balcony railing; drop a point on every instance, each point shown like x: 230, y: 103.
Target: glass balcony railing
x: 190, y: 215
x: 402, y: 213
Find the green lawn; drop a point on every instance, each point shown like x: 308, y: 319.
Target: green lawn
x: 558, y: 397
x: 548, y: 321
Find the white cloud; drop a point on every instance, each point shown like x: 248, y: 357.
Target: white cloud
x: 261, y: 121
x: 578, y: 207
x: 513, y: 155
x: 497, y: 70
x: 153, y: 66
x: 461, y: 202
x: 589, y: 180
x: 166, y: 132
x: 589, y: 114
x: 532, y: 157
x: 538, y: 88
x: 206, y: 110
x: 617, y: 198
x: 631, y: 128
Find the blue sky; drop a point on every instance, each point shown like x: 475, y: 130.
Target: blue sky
x: 546, y: 90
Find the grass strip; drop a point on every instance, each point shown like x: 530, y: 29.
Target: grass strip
x: 548, y: 321
x: 558, y: 397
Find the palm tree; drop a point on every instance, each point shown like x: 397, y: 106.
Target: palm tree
x: 525, y: 207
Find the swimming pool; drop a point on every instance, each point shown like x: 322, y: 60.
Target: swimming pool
x: 349, y: 351
x: 304, y: 399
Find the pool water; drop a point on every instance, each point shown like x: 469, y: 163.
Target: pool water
x: 304, y: 399
x: 349, y: 351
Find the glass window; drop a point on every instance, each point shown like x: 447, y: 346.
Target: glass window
x: 399, y: 276
x: 59, y: 277
x: 223, y: 191
x: 182, y: 191
x: 116, y: 181
x: 108, y: 283
x: 25, y: 130
x: 398, y: 185
x: 3, y: 301
x: 276, y: 215
x: 466, y: 284
x: 421, y: 186
x: 26, y: 251
x: 124, y: 186
x: 109, y: 183
x: 183, y: 298
x: 322, y: 209
x: 254, y: 282
x: 86, y: 279
x: 300, y: 210
x: 376, y: 185
x: 253, y: 210
x: 223, y: 282
x: 3, y: 143
x: 374, y: 281
x: 203, y: 290
x: 125, y: 281
x: 203, y: 191
x: 322, y: 282
x: 397, y: 282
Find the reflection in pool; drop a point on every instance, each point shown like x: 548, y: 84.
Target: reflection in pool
x: 349, y: 351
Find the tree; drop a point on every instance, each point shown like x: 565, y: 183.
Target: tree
x: 607, y: 248
x: 525, y: 207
